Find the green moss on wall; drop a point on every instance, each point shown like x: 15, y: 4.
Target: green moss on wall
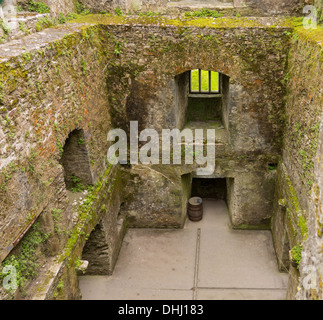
x: 303, y: 103
x: 27, y: 257
x: 202, y: 22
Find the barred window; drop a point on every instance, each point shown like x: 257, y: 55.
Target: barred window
x: 202, y: 81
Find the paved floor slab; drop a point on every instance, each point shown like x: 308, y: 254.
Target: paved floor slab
x: 158, y: 259
x: 102, y: 288
x: 235, y: 258
x: 218, y: 262
x: 241, y: 294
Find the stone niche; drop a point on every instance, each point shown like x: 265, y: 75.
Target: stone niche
x: 96, y: 251
x: 75, y: 160
x: 103, y: 244
x: 190, y: 107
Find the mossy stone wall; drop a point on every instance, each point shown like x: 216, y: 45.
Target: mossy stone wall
x: 99, y: 77
x: 300, y: 182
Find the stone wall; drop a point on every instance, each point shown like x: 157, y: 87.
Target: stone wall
x: 288, y: 226
x: 156, y: 197
x: 98, y: 211
x: 39, y: 109
x: 15, y: 24
x: 139, y: 86
x: 151, y: 59
x: 127, y: 6
x: 147, y: 84
x: 276, y: 7
x: 244, y: 7
x: 46, y: 93
x: 56, y: 7
x: 99, y: 77
x: 303, y: 114
x: 310, y: 100
x: 298, y: 209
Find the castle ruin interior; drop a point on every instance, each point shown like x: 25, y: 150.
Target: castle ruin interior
x: 71, y: 71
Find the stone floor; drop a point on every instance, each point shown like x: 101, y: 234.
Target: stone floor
x: 204, y: 260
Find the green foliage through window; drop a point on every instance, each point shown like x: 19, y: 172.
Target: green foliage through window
x: 209, y: 81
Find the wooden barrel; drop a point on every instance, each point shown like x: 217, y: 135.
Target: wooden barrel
x: 195, y: 209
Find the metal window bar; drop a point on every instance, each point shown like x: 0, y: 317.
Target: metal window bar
x: 210, y: 82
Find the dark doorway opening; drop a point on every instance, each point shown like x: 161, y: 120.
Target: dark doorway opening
x: 96, y: 252
x: 209, y: 188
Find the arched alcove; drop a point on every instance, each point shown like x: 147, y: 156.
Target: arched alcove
x: 75, y: 161
x: 96, y: 251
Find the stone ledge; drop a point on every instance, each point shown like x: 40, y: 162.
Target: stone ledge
x: 35, y: 41
x: 41, y: 39
x: 21, y: 25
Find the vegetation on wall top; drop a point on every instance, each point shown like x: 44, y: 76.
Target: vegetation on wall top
x: 38, y: 6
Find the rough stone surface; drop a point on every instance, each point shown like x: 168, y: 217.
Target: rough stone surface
x: 299, y: 222
x: 75, y: 161
x: 52, y: 86
x: 56, y: 7
x: 46, y: 95
x: 106, y: 71
x: 245, y: 7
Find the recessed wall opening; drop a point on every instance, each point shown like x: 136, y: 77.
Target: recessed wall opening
x: 76, y: 163
x: 272, y: 166
x: 96, y: 252
x: 201, y: 96
x: 209, y: 188
x: 204, y: 109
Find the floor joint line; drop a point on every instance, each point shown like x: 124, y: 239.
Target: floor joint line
x: 197, y: 261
